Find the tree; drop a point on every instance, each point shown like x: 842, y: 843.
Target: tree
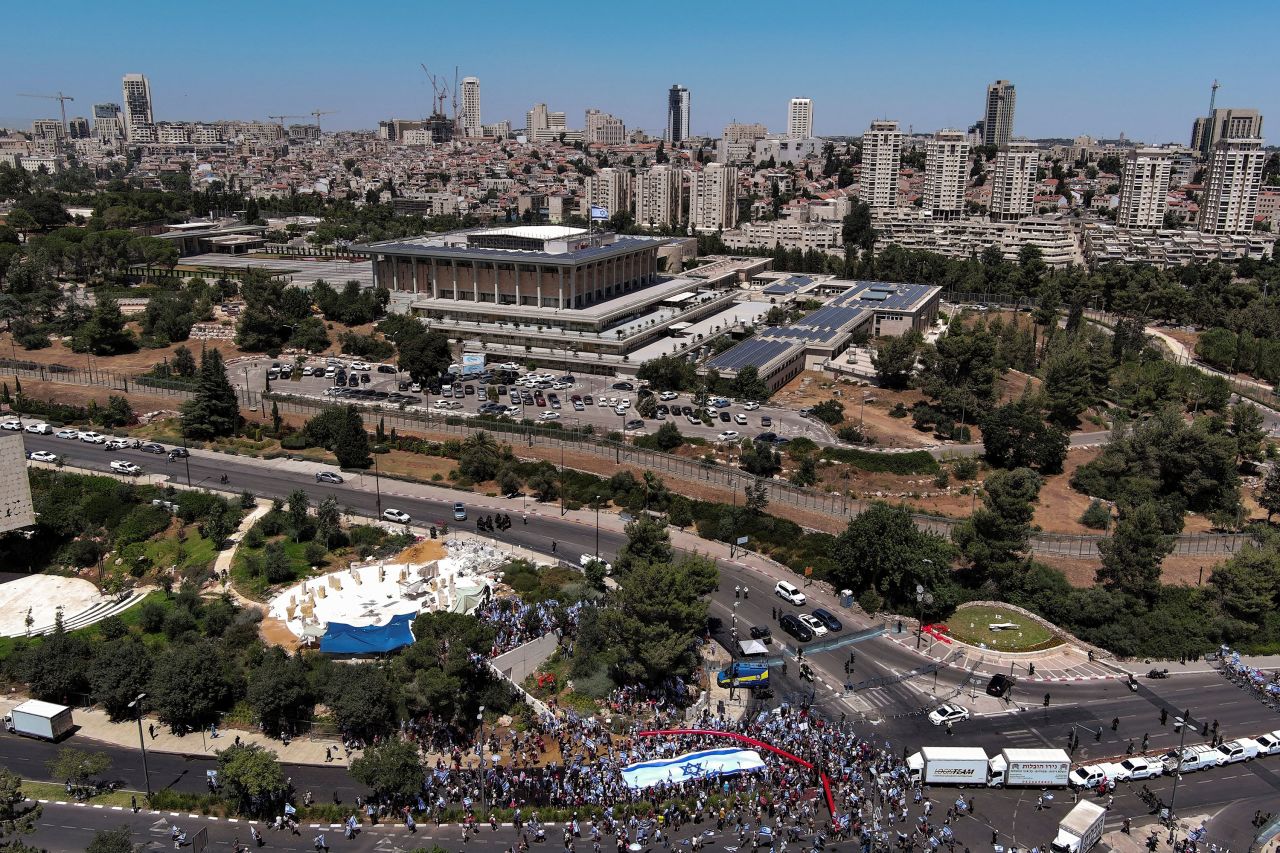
x: 425, y: 356
x: 1014, y: 436
x: 882, y: 548
x: 1068, y: 384
x: 1248, y: 584
x: 77, y: 766
x: 668, y: 373
x: 299, y: 504
x: 647, y: 407
x: 341, y: 430
x: 480, y: 457
x: 329, y: 522
x: 252, y: 779
x: 544, y: 484
x: 279, y: 691
x: 830, y: 412
x: 748, y: 385
x: 647, y: 542
x: 118, y: 672
x: 1269, y: 499
x: 995, y: 538
x: 362, y: 700
x: 390, y: 769
x: 756, y: 496
x: 760, y: 459
x: 184, y: 363
x: 1131, y: 556
x: 213, y: 411
x: 104, y: 333
x: 654, y: 620
x: 189, y: 685
x: 895, y: 358
x: 806, y: 473
x: 1247, y: 427
x: 119, y: 840
x: 667, y: 437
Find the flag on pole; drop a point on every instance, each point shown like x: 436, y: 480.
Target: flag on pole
x: 599, y: 213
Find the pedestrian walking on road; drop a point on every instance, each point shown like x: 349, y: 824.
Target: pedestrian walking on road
x: 1115, y: 724
x: 553, y: 546
x: 737, y: 590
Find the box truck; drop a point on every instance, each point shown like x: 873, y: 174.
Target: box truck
x: 44, y: 720
x: 744, y: 674
x: 948, y: 765
x: 1080, y: 829
x: 1037, y: 768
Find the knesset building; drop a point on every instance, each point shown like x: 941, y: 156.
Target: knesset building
x: 546, y: 286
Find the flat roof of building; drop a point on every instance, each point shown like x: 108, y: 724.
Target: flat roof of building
x: 535, y: 232
x: 435, y: 250
x: 753, y: 351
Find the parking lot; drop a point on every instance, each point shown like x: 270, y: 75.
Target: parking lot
x: 599, y: 403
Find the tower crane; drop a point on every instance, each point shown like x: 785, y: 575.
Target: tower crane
x: 439, y: 88
x: 280, y: 119
x: 62, y: 102
x: 318, y: 113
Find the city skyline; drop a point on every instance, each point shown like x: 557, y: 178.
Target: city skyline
x: 220, y: 69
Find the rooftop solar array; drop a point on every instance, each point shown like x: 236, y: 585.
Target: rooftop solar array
x: 781, y: 288
x: 753, y: 351
x: 883, y: 295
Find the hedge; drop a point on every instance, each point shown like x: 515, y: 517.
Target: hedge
x: 914, y: 462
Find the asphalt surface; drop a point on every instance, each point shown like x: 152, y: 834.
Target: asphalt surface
x: 1084, y: 706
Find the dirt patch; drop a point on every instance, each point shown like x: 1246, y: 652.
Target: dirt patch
x: 812, y: 387
x: 1060, y: 506
x: 1182, y: 336
x: 1188, y: 569
x: 81, y: 395
x: 415, y: 464
x: 421, y: 552
x: 129, y: 363
x: 276, y: 633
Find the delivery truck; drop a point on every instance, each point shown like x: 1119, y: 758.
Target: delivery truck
x: 948, y: 765
x: 744, y: 674
x: 1035, y: 768
x: 44, y: 720
x: 1080, y: 829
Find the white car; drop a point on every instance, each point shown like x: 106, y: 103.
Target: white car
x: 588, y: 559
x: 1136, y: 767
x: 39, y: 428
x: 67, y: 433
x: 602, y: 402
x: 120, y: 466
x: 360, y: 365
x: 728, y: 435
x: 1240, y: 749
x: 42, y: 456
x: 1092, y: 775
x: 560, y: 386
x: 549, y: 416
x: 751, y: 405
x: 668, y: 395
x: 117, y: 444
x: 818, y: 629
x: 1268, y: 744
x: 14, y: 425
x: 93, y: 437
x: 947, y: 712
x: 397, y: 515
x: 788, y: 592
x: 508, y: 365
x: 512, y: 411
x: 443, y: 404
x: 740, y: 419
x: 619, y: 410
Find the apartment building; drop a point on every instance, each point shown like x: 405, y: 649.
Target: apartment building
x: 787, y: 233
x: 965, y: 238
x: 78, y: 128
x: 497, y: 130
x: 137, y: 108
x: 470, y: 118
x: 713, y: 197
x: 48, y: 136
x: 1225, y: 123
x: 800, y: 118
x: 1105, y: 243
x: 1144, y: 188
x: 1269, y: 206
x: 603, y: 129
x: 108, y: 126
x: 881, y: 161
x: 609, y: 188
x: 997, y: 117
x: 173, y: 133
x: 1231, y: 186
x: 541, y: 119
x: 658, y: 195
x: 1013, y: 186
x: 678, y: 114
x: 946, y: 173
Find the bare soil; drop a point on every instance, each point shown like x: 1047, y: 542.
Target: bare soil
x: 1177, y: 569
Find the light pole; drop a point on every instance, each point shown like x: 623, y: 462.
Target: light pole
x: 141, y: 743
x: 922, y: 598
x: 1173, y: 796
x: 377, y: 488
x: 480, y: 717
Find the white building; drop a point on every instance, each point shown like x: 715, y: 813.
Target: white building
x: 603, y: 129
x: 881, y: 161
x: 658, y: 193
x: 470, y: 118
x: 107, y: 124
x: 800, y: 118
x: 946, y: 173
x: 787, y: 233
x: 48, y: 135
x: 539, y: 118
x: 498, y: 130
x: 678, y: 114
x: 173, y: 133
x: 1225, y: 123
x: 1013, y: 186
x: 1231, y: 186
x: 1144, y: 188
x: 997, y: 118
x: 137, y: 106
x: 713, y: 197
x: 609, y: 188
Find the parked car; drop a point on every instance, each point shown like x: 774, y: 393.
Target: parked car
x: 740, y: 419
x: 668, y: 395
x: 152, y: 447
x: 948, y: 713
x: 795, y: 627
x: 13, y: 425
x: 828, y: 619
x: 328, y: 477
x: 397, y: 515
x: 92, y: 437
x: 1136, y: 767
x: 179, y: 453
x: 549, y: 416
x: 788, y: 592
x: 120, y: 466
x: 117, y: 444
x: 1241, y: 749
x: 623, y: 386
x: 635, y: 424
x: 728, y: 435
x: 751, y: 405
x: 459, y: 512
x: 1268, y: 744
x: 766, y: 421
x: 39, y: 428
x: 67, y: 433
x: 42, y: 456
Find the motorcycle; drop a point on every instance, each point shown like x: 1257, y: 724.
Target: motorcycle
x: 1133, y: 684
x: 1158, y: 673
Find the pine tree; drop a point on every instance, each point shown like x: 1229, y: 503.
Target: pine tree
x: 1270, y: 497
x: 214, y: 410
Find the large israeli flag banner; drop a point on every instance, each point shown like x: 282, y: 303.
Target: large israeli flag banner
x: 706, y: 764
x: 600, y: 213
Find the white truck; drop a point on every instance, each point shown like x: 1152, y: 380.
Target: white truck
x: 43, y: 720
x: 948, y: 765
x: 1037, y: 768
x: 1080, y: 829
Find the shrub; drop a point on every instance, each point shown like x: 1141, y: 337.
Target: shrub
x: 965, y: 469
x: 851, y: 434
x: 142, y: 522
x: 898, y: 411
x: 294, y: 441
x: 943, y: 479
x: 871, y: 601
x: 315, y: 553
x: 113, y: 628
x: 829, y: 412
x: 254, y: 538
x: 915, y: 462
x: 1097, y: 516
x: 151, y: 617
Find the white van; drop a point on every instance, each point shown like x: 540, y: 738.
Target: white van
x: 1240, y: 749
x: 1198, y: 757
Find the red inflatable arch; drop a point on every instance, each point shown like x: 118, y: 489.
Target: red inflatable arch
x: 826, y: 782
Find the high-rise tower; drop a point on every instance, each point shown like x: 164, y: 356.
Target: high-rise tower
x: 470, y: 118
x: 677, y: 114
x: 997, y: 118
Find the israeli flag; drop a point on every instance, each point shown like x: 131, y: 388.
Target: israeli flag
x: 599, y: 213
x: 706, y: 764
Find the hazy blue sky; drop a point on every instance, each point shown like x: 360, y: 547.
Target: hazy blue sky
x: 1133, y: 66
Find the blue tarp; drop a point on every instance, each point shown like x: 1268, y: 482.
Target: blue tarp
x: 342, y: 639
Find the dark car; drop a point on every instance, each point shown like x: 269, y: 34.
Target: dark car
x: 354, y: 380
x: 1001, y: 685
x: 403, y: 386
x: 761, y: 632
x: 364, y: 379
x: 767, y: 437
x: 623, y: 386
x: 828, y: 619
x: 469, y: 389
x: 588, y: 400
x: 179, y: 453
x: 152, y: 447
x: 386, y: 368
x: 724, y: 416
x: 766, y: 421
x: 795, y: 627
x: 686, y: 411
x: 635, y: 424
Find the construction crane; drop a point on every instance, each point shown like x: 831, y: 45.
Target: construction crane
x: 1213, y: 96
x: 439, y: 88
x: 62, y: 102
x: 280, y: 119
x: 318, y: 113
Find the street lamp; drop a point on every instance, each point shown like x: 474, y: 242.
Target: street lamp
x: 1173, y: 796
x: 377, y: 488
x: 922, y: 598
x: 480, y: 717
x: 141, y: 743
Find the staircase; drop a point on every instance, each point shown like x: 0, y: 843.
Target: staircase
x: 94, y: 614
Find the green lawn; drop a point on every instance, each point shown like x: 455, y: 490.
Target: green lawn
x: 969, y: 625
